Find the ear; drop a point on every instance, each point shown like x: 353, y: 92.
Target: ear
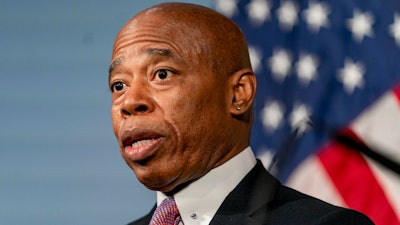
x: 243, y: 84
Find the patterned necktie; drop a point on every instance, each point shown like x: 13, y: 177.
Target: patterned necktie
x: 166, y: 213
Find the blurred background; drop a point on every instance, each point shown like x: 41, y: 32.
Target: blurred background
x: 327, y: 118
x: 59, y: 161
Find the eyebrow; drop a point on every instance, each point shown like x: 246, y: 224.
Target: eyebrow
x: 113, y: 65
x: 157, y: 52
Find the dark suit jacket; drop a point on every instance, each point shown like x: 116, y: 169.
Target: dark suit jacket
x: 261, y: 199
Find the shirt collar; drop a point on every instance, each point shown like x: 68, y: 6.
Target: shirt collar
x: 200, y: 200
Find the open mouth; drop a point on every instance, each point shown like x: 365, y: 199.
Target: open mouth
x: 140, y: 144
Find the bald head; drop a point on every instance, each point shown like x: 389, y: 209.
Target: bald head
x: 206, y: 34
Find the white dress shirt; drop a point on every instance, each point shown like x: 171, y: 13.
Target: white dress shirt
x: 200, y: 200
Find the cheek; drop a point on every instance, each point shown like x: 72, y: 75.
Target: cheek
x: 194, y: 115
x: 188, y: 110
x: 115, y: 119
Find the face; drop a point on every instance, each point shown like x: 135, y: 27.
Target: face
x: 170, y: 111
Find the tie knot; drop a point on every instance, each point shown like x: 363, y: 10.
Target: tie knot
x: 166, y: 213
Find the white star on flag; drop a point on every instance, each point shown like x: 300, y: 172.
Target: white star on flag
x: 287, y: 15
x: 280, y: 64
x: 351, y: 75
x: 306, y: 68
x: 394, y: 28
x: 361, y: 25
x: 258, y: 11
x: 227, y: 7
x: 255, y: 58
x: 266, y: 158
x: 272, y: 115
x: 300, y: 119
x: 316, y: 16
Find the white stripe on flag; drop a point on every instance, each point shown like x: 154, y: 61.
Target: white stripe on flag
x: 390, y: 183
x: 379, y: 127
x: 310, y: 178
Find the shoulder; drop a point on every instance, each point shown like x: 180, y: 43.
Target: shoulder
x: 265, y: 200
x: 292, y: 207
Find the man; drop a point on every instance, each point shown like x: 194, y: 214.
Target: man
x: 182, y: 108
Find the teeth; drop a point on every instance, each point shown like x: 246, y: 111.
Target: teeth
x: 141, y: 143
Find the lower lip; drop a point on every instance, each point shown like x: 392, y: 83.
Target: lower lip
x: 142, y: 152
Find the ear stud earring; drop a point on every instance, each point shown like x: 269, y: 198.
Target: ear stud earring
x: 238, y: 108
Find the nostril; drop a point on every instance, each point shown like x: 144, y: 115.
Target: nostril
x: 136, y: 110
x: 141, y: 108
x: 126, y: 112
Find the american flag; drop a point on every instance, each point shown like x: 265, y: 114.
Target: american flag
x: 328, y: 102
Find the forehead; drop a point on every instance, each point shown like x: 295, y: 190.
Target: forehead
x: 157, y: 37
x: 163, y: 29
x: 153, y: 39
x: 150, y: 52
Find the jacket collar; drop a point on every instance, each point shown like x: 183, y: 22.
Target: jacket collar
x: 246, y: 204
x: 249, y: 201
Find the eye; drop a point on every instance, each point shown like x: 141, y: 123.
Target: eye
x: 162, y: 74
x: 117, y: 86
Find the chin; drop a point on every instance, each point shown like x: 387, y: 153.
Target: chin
x: 158, y: 186
x: 162, y: 183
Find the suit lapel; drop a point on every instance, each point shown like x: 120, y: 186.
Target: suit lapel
x: 248, y: 202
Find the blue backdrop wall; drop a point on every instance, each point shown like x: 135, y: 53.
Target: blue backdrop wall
x: 59, y: 161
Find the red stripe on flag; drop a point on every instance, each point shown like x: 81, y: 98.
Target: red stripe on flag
x: 356, y: 183
x: 396, y: 92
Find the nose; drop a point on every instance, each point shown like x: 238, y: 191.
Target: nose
x: 137, y: 101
